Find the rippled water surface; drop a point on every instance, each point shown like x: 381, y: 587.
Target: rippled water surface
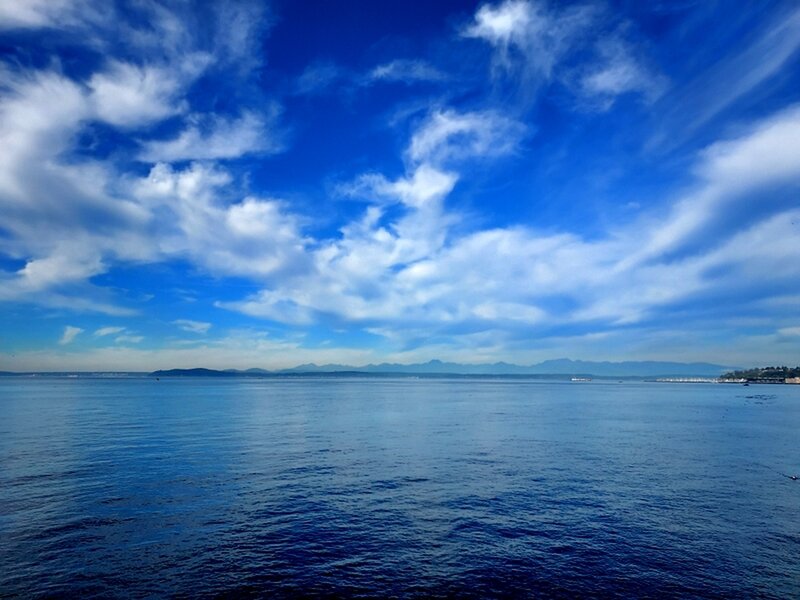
x: 397, y: 487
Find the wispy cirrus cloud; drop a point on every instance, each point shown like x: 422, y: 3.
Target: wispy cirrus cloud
x: 193, y: 326
x: 528, y: 36
x: 121, y: 335
x: 532, y: 41
x: 128, y: 95
x: 35, y: 14
x: 253, y: 237
x: 128, y: 339
x: 406, y: 71
x: 318, y: 77
x: 103, y: 331
x: 732, y: 78
x: 213, y: 137
x: 618, y: 70
x: 447, y: 135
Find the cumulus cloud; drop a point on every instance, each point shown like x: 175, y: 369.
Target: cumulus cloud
x: 59, y: 214
x: 352, y: 277
x: 69, y: 334
x: 254, y: 237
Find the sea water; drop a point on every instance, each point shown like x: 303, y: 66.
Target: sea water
x: 397, y: 487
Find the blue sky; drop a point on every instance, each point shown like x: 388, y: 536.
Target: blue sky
x: 264, y: 184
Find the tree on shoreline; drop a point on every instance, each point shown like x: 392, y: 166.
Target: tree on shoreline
x: 764, y: 373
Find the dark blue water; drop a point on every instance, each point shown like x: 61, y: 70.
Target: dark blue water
x: 397, y: 487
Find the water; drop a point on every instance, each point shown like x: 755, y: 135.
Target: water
x: 397, y: 487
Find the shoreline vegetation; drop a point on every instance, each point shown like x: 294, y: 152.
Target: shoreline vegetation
x: 764, y: 375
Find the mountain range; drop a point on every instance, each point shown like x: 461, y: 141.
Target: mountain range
x: 560, y: 367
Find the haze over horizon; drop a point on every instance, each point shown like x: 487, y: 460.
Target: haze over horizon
x: 267, y: 184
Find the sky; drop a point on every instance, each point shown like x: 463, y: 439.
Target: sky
x: 266, y: 184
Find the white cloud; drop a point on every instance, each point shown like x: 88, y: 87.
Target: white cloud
x: 215, y: 137
x: 322, y: 75
x: 527, y: 36
x: 240, y: 30
x: 533, y: 40
x: 448, y: 135
x: 407, y: 71
x: 769, y: 153
x: 62, y: 266
x: 129, y: 95
x: 618, y: 72
x: 108, y: 331
x: 424, y: 185
x: 33, y: 14
x: 505, y: 23
x: 69, y: 334
x: 353, y: 277
x: 255, y: 237
x: 318, y: 77
x: 35, y: 126
x: 193, y: 326
x: 765, y: 157
x: 129, y: 339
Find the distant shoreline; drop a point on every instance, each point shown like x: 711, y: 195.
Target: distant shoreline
x: 213, y: 374
x: 563, y: 369
x: 554, y: 368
